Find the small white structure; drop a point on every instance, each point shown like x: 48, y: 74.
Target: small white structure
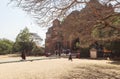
x: 36, y: 38
x: 93, y: 53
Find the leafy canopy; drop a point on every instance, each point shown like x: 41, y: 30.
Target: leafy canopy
x: 6, y: 46
x: 23, y: 41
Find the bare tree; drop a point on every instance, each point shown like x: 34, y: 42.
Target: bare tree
x: 94, y: 15
x: 45, y: 11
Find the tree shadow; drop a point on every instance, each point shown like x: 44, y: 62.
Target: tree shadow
x: 31, y: 60
x: 115, y: 62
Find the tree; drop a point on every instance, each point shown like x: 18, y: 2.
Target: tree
x: 45, y: 11
x: 110, y: 31
x: 23, y: 42
x: 48, y: 10
x: 6, y: 46
x: 37, y: 51
x: 83, y: 23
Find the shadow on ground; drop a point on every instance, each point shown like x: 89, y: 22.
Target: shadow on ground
x: 31, y: 60
x: 115, y: 62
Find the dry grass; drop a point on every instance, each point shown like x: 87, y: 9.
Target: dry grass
x: 95, y: 69
x: 43, y: 69
x: 60, y: 69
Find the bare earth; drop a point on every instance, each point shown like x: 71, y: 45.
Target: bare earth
x: 61, y: 69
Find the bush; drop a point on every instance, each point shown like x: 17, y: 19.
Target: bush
x: 114, y: 46
x: 5, y: 46
x: 37, y: 51
x: 84, y: 52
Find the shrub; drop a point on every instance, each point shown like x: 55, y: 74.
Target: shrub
x: 37, y: 51
x: 84, y: 52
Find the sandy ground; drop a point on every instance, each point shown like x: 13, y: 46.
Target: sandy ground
x: 61, y: 69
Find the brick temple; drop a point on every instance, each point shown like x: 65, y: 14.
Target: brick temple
x: 55, y: 37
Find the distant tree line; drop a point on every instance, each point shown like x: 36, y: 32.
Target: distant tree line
x: 6, y: 46
x: 23, y: 44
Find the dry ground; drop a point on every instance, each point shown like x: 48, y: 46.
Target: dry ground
x: 61, y: 69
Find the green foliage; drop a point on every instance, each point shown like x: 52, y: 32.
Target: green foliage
x: 6, y: 46
x: 116, y: 45
x: 37, y: 51
x: 25, y: 44
x: 102, y: 31
x: 108, y: 30
x: 23, y: 41
x: 108, y: 45
x: 116, y: 20
x: 97, y: 33
x: 84, y: 52
x: 113, y: 45
x: 77, y: 44
x: 23, y: 36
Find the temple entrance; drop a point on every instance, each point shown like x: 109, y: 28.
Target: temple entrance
x: 58, y: 48
x: 76, y: 44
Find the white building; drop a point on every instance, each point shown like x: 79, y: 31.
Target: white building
x: 36, y: 38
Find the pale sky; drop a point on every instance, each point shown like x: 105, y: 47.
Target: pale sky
x: 13, y: 19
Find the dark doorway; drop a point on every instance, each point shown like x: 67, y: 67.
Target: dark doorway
x: 76, y: 44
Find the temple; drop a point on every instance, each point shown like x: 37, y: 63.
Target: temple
x: 56, y: 39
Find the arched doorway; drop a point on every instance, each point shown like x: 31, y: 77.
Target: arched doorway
x: 76, y: 44
x: 58, y: 48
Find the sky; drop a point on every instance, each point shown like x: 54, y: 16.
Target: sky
x: 13, y: 19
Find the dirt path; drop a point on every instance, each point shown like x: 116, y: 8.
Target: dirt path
x: 60, y: 69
